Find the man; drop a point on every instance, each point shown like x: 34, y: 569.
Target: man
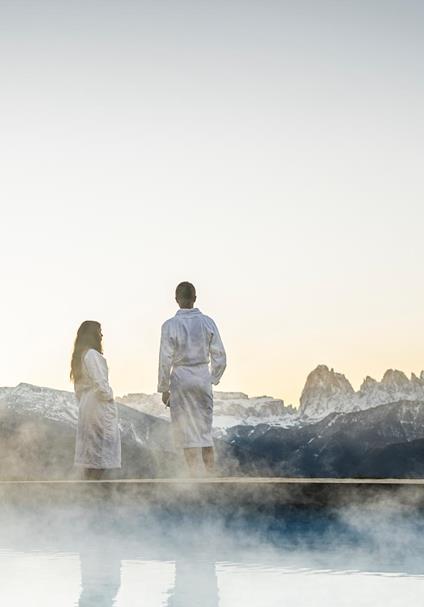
x: 190, y: 341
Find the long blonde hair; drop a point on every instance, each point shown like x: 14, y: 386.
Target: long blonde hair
x: 89, y: 336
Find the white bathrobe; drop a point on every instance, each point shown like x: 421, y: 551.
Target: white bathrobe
x: 190, y: 341
x: 98, y: 443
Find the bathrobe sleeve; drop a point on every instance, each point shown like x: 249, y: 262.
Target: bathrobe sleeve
x: 97, y: 371
x: 217, y: 354
x: 166, y: 357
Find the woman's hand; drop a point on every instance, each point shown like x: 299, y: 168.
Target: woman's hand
x: 165, y: 398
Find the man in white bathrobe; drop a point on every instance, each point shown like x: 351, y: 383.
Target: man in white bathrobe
x: 192, y: 358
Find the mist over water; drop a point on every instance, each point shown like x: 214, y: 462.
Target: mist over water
x: 104, y: 554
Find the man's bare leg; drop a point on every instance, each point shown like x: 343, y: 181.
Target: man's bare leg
x: 93, y: 474
x: 208, y: 459
x: 191, y: 455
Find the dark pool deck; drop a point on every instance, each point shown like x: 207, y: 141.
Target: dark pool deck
x: 230, y: 492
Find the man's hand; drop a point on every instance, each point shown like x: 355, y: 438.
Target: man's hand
x: 165, y: 398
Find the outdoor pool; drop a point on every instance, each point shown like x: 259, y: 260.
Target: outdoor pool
x: 104, y: 554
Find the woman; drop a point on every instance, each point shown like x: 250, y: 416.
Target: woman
x: 98, y: 444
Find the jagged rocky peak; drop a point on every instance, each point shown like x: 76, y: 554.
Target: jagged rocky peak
x: 326, y: 381
x: 395, y: 378
x: 368, y: 384
x: 324, y: 391
x: 417, y: 381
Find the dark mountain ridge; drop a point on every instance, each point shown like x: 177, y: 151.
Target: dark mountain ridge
x: 340, y: 445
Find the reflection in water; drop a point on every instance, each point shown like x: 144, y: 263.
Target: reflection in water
x: 196, y: 584
x: 100, y: 576
x: 129, y: 560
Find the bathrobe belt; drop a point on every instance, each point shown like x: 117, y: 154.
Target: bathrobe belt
x: 190, y: 364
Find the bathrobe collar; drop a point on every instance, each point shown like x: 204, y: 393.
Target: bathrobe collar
x: 183, y: 311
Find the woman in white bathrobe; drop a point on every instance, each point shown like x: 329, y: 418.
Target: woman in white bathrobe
x: 98, y: 442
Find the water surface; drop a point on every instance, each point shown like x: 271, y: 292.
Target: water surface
x: 107, y: 558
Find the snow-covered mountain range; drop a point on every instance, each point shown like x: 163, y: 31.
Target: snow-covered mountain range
x: 375, y: 431
x: 230, y: 409
x: 55, y: 405
x: 326, y: 391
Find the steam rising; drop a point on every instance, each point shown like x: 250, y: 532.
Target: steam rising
x: 188, y: 549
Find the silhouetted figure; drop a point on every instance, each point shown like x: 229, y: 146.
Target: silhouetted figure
x: 98, y: 442
x: 100, y: 576
x: 189, y: 342
x: 196, y: 583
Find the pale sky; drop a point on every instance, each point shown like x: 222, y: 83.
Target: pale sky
x: 269, y: 152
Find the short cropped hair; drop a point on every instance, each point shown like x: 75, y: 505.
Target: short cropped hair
x: 185, y: 291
